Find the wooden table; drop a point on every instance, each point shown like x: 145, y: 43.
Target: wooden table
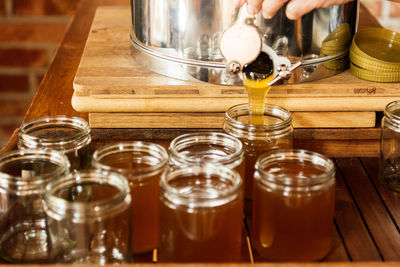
x: 367, y: 216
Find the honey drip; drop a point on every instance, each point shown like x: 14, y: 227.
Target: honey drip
x: 256, y: 77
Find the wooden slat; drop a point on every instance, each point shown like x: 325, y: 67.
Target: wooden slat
x: 341, y: 148
x: 221, y: 104
x: 301, y: 119
x: 390, y: 198
x: 338, y: 251
x: 357, y: 239
x: 378, y: 220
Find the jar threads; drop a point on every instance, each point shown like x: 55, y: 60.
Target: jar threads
x: 69, y: 135
x: 200, y: 148
x: 201, y: 210
x: 88, y: 218
x: 276, y: 132
x: 23, y: 177
x: 141, y: 163
x: 389, y: 163
x: 293, y: 205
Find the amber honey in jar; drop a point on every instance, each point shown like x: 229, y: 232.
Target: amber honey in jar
x: 142, y: 164
x: 201, y: 211
x: 88, y: 218
x: 212, y: 147
x: 275, y: 132
x: 293, y: 205
x: 67, y: 134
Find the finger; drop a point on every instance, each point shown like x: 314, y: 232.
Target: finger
x: 238, y: 3
x: 254, y: 6
x: 297, y: 8
x: 270, y: 7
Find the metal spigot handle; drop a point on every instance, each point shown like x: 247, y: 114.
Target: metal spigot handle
x: 284, y: 72
x: 282, y: 66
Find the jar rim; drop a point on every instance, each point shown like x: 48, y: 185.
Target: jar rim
x: 235, y: 127
x: 57, y: 207
x: 210, y: 138
x: 175, y: 196
x: 20, y: 184
x: 76, y: 141
x: 154, y: 150
x: 298, y: 156
x: 390, y: 107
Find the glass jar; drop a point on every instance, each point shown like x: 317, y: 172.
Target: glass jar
x: 142, y: 164
x: 69, y: 135
x: 88, y: 218
x: 215, y: 148
x: 293, y: 205
x: 276, y: 132
x: 389, y: 164
x: 201, y: 212
x: 23, y: 177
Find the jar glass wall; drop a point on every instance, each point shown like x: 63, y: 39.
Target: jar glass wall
x: 215, y: 148
x: 275, y: 132
x: 293, y: 205
x: 69, y: 135
x: 88, y: 218
x: 389, y: 164
x: 142, y: 164
x: 201, y: 212
x: 23, y: 177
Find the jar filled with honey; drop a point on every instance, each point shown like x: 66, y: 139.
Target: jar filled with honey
x: 69, y: 135
x: 293, y: 205
x: 88, y: 218
x: 274, y: 132
x: 142, y: 164
x: 201, y: 212
x: 24, y: 175
x: 215, y: 148
x: 389, y: 166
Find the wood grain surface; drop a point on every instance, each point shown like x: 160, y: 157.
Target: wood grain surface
x: 367, y: 215
x: 215, y: 120
x: 108, y: 79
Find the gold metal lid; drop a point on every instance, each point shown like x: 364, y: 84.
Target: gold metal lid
x: 375, y: 55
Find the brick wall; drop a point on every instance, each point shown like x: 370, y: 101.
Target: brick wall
x: 30, y: 32
x: 387, y: 12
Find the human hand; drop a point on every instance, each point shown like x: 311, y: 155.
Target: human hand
x: 294, y: 9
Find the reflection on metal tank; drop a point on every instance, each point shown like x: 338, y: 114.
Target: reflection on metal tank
x: 179, y: 38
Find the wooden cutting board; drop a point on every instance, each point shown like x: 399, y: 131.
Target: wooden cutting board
x: 109, y: 80
x: 314, y: 119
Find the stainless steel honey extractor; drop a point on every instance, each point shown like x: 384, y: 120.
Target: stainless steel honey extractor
x: 180, y: 38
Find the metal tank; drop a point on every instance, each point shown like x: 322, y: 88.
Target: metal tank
x: 180, y: 38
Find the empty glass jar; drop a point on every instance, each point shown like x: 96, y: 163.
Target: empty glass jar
x: 70, y: 135
x: 215, y: 148
x: 275, y: 132
x: 389, y: 167
x: 142, y: 164
x: 23, y: 228
x: 201, y: 212
x: 293, y: 205
x: 88, y: 218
